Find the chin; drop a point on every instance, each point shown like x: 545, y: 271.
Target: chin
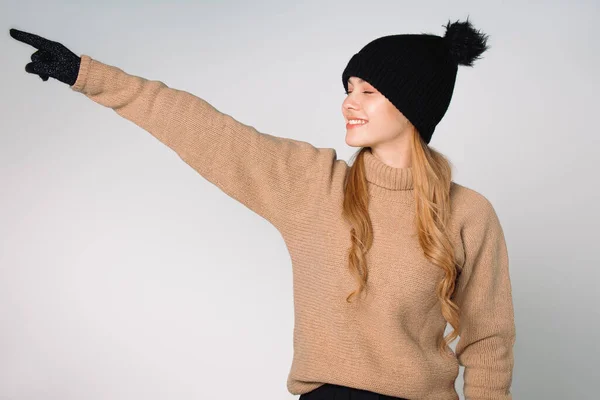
x: 357, y: 142
x: 353, y: 144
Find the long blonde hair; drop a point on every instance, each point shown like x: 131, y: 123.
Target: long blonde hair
x: 432, y: 175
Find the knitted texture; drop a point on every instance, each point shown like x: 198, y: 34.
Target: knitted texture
x: 417, y: 72
x: 385, y: 342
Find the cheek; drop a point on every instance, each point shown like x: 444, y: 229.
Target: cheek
x: 385, y: 123
x: 393, y: 118
x: 380, y: 108
x: 384, y: 118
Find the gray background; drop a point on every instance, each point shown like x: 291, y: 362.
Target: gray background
x: 124, y: 274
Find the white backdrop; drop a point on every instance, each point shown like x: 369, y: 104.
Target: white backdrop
x: 126, y: 275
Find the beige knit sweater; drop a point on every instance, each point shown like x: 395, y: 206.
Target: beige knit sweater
x: 386, y: 342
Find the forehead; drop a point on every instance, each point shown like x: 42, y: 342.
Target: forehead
x: 353, y: 80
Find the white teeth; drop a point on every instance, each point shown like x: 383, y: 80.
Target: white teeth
x: 356, y: 121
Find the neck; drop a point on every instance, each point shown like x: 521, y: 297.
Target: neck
x: 386, y: 176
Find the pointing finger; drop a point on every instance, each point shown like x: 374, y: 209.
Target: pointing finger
x: 30, y: 38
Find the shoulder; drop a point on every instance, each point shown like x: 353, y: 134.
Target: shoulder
x: 470, y: 207
x: 475, y: 220
x: 478, y: 227
x: 464, y: 198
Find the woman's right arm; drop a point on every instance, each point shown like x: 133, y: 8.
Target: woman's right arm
x: 273, y: 176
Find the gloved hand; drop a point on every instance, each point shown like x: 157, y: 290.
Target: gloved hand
x: 51, y: 60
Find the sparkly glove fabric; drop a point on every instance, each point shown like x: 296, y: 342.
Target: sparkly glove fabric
x: 51, y: 60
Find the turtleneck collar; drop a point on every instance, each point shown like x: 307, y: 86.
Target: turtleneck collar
x: 382, y: 175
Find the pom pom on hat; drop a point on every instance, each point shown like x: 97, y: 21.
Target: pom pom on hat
x: 465, y: 43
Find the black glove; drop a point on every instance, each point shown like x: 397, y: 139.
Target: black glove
x: 52, y: 59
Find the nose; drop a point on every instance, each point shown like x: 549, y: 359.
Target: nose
x: 349, y: 104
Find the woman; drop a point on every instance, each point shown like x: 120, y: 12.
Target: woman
x: 420, y: 250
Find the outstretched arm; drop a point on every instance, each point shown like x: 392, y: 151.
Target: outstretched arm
x: 273, y: 176
x: 484, y: 295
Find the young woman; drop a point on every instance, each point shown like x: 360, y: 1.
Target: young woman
x: 420, y: 250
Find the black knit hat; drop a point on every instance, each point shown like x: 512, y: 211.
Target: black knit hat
x: 417, y: 72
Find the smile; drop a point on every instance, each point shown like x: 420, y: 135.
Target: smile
x: 353, y: 124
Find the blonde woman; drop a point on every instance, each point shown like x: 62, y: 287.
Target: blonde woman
x: 386, y: 251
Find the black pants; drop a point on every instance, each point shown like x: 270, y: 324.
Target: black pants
x: 336, y: 392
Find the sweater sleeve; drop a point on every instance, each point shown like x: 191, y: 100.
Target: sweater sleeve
x: 484, y: 295
x: 273, y: 176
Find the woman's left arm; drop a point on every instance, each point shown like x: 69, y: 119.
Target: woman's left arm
x: 484, y: 295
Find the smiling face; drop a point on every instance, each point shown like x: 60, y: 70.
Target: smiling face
x: 385, y: 124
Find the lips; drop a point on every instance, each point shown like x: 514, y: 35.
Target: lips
x: 350, y: 126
